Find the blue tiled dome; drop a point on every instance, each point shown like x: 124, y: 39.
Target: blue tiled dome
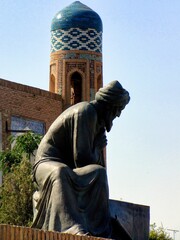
x: 76, y: 15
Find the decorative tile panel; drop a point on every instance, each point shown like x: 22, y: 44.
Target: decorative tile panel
x: 19, y: 123
x: 76, y: 39
x: 80, y: 66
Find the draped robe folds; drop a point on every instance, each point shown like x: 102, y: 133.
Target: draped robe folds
x: 69, y: 171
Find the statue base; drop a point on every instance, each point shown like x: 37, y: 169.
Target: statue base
x: 130, y: 221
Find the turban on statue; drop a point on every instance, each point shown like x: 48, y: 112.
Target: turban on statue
x: 114, y: 94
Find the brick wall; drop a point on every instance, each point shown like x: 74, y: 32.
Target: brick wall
x: 27, y: 102
x: 9, y: 232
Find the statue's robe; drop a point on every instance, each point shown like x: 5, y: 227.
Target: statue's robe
x: 69, y: 171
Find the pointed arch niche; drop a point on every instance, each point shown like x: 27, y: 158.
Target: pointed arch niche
x: 76, y: 88
x: 53, y: 78
x: 52, y: 86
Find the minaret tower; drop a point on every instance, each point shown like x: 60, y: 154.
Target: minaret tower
x: 76, y: 54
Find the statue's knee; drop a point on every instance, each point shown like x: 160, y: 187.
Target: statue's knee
x: 60, y: 172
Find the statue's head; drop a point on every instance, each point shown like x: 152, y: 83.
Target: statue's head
x: 114, y: 97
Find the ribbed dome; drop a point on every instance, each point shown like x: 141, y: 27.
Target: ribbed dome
x: 76, y: 15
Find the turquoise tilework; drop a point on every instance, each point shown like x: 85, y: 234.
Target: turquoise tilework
x: 83, y: 56
x: 76, y: 15
x: 76, y: 39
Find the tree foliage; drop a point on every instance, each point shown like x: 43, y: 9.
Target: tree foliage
x: 158, y: 233
x: 26, y: 143
x: 7, y: 159
x: 22, y: 145
x: 16, y: 195
x: 17, y: 188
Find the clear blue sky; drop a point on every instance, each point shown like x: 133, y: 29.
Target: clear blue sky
x: 141, y: 49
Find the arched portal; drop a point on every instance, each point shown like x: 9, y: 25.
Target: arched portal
x: 76, y: 88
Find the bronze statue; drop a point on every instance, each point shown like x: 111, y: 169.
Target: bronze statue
x: 70, y: 170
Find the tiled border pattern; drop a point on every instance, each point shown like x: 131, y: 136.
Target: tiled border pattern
x: 76, y: 39
x: 83, y: 56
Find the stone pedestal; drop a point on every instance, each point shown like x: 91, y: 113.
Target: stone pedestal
x: 133, y: 218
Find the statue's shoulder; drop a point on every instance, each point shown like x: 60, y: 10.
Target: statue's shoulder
x: 81, y: 107
x: 84, y: 110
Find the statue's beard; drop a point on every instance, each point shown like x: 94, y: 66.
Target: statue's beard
x: 108, y: 125
x: 108, y: 120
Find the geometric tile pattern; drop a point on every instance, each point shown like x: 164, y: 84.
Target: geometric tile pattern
x: 86, y: 56
x: 20, y: 123
x: 76, y: 39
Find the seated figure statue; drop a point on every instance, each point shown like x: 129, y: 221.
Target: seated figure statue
x: 69, y: 168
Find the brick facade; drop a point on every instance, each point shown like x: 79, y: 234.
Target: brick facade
x: 64, y: 64
x: 27, y: 102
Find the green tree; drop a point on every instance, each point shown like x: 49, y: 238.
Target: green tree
x: 16, y: 195
x: 17, y: 188
x: 26, y: 143
x: 158, y: 233
x: 22, y: 145
x: 7, y: 159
